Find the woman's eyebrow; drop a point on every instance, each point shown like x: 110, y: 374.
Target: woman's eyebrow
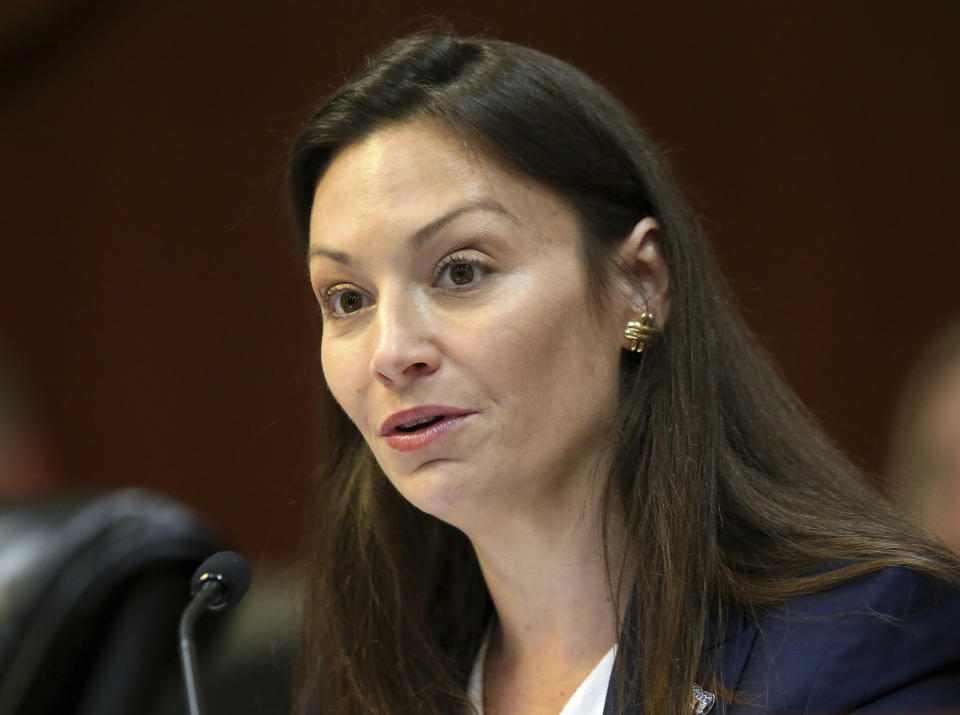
x: 422, y: 235
x: 419, y: 239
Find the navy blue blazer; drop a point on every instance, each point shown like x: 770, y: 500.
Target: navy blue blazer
x: 885, y: 642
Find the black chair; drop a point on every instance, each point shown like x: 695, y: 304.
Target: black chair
x: 91, y: 590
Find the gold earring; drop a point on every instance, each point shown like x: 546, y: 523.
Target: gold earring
x: 638, y: 333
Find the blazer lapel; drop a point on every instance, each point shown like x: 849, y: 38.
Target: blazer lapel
x: 729, y: 654
x: 726, y: 650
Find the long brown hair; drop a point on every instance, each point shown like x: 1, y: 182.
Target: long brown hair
x: 729, y: 491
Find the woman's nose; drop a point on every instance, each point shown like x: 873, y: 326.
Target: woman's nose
x: 405, y: 348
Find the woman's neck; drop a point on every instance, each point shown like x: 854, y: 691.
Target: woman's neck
x: 557, y: 612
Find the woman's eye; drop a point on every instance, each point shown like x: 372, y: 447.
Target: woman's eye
x: 460, y: 273
x: 344, y: 301
x: 349, y: 302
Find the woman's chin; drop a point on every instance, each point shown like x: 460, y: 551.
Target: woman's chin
x: 443, y: 488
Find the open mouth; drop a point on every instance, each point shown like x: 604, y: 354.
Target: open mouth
x: 418, y: 425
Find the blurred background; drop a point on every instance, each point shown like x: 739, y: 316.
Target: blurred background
x: 156, y: 325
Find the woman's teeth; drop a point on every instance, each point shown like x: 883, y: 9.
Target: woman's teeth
x: 419, y: 424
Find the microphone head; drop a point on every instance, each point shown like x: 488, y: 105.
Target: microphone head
x: 231, y: 571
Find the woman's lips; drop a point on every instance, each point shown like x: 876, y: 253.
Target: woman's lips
x: 446, y: 419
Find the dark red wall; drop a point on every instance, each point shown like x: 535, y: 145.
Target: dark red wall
x: 153, y: 304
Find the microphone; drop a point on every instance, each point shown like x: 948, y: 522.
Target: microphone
x: 218, y: 584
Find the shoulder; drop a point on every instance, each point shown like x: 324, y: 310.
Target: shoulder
x: 889, y: 640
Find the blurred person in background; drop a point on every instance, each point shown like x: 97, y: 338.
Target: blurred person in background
x: 924, y: 464
x: 26, y: 466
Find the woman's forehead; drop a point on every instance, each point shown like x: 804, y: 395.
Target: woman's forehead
x: 403, y: 177
x: 399, y: 163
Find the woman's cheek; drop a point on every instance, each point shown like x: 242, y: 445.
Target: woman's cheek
x: 523, y: 337
x: 340, y: 374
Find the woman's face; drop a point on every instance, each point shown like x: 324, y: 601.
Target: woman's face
x: 460, y: 334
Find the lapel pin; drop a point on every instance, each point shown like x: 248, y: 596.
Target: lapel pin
x: 703, y: 701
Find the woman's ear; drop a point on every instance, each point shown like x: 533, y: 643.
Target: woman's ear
x: 648, y: 280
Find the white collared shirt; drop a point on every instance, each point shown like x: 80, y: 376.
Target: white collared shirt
x: 588, y: 699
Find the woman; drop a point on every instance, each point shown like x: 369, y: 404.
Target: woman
x: 561, y: 465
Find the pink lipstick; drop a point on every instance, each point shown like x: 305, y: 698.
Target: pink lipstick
x: 418, y: 427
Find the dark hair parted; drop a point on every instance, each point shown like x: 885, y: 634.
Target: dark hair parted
x: 729, y: 491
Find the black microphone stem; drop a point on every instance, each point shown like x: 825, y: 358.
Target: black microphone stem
x: 209, y: 592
